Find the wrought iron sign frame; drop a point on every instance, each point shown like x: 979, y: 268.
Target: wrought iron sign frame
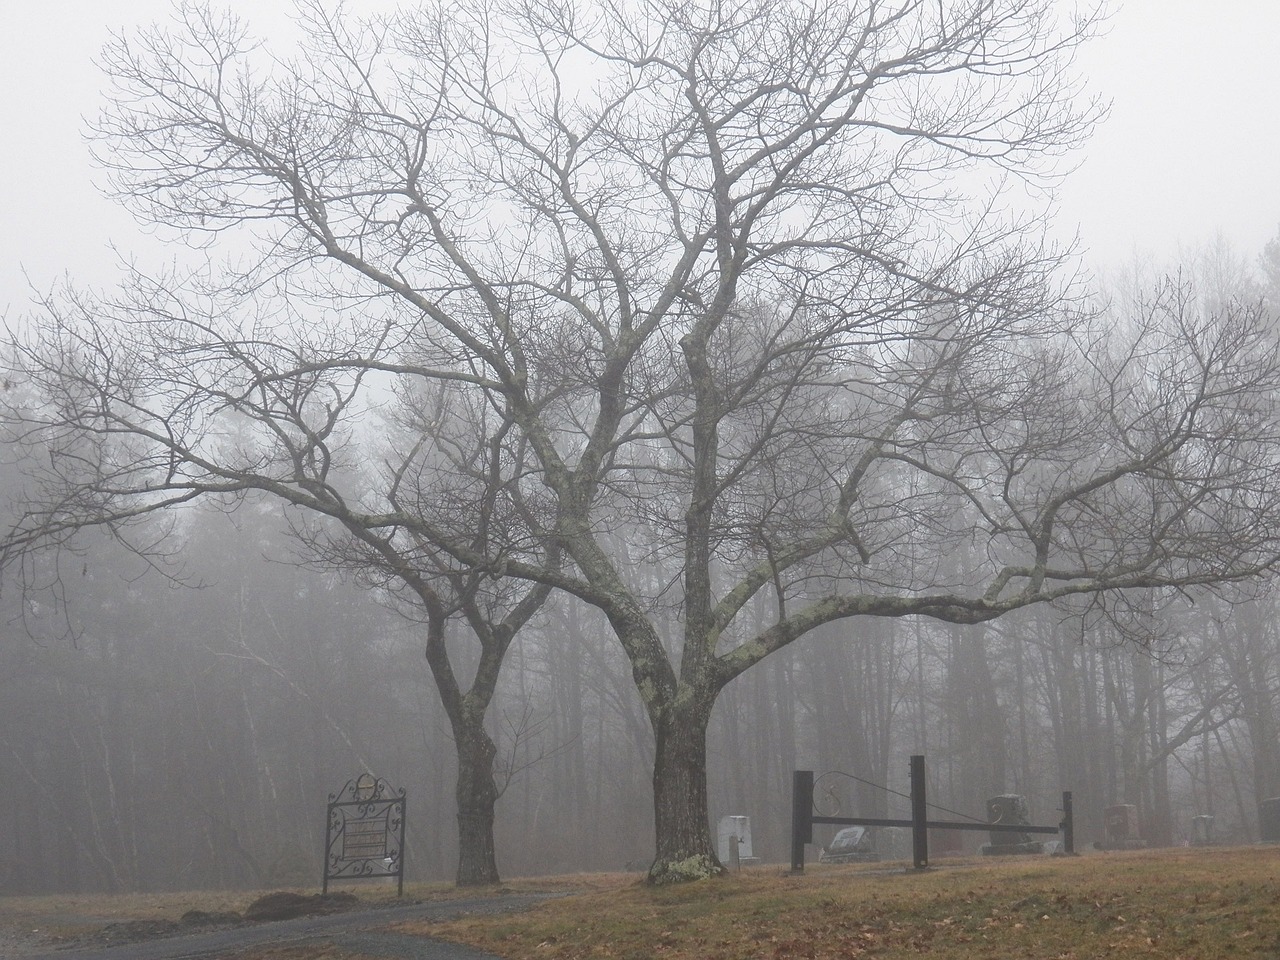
x: 364, y: 835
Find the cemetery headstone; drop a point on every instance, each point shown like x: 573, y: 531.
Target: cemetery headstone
x: 730, y: 827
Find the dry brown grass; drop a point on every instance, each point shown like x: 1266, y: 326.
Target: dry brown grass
x: 1193, y: 904
x: 308, y: 952
x: 1186, y: 904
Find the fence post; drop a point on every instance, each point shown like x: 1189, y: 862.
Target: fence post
x: 801, y: 816
x: 328, y: 842
x: 919, y: 814
x: 1068, y: 825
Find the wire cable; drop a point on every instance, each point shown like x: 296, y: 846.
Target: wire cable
x: 896, y: 793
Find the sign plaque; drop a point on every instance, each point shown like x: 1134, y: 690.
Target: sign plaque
x: 364, y: 835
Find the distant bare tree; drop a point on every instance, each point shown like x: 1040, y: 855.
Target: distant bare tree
x: 1269, y: 266
x: 736, y: 288
x: 195, y: 412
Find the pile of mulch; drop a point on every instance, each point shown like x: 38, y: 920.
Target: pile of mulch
x: 272, y: 906
x: 286, y: 906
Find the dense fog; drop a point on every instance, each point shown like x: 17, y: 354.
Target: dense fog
x: 587, y: 445
x: 163, y: 736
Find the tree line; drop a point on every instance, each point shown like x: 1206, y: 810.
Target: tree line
x: 188, y: 737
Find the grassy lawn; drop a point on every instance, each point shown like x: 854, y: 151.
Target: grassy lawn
x: 1196, y: 904
x: 1189, y: 903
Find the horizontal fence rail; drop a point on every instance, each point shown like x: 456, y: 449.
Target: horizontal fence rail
x: 803, y: 818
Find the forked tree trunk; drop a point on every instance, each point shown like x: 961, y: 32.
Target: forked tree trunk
x: 477, y: 793
x: 685, y: 849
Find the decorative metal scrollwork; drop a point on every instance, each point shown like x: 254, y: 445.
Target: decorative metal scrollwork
x: 826, y: 801
x: 364, y: 838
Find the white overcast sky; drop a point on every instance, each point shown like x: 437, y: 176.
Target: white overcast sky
x: 1191, y: 149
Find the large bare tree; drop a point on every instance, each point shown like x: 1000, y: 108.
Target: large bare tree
x: 748, y: 291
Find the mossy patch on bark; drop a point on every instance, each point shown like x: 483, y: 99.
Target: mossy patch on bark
x: 698, y: 867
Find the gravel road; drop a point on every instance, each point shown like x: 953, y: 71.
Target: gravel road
x: 362, y: 931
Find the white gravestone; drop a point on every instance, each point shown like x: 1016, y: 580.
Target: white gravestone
x: 732, y: 826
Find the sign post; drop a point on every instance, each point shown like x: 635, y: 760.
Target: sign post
x: 364, y: 835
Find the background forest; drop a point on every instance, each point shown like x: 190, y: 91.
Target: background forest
x: 181, y: 725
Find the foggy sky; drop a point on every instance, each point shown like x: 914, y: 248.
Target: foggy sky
x: 1191, y: 149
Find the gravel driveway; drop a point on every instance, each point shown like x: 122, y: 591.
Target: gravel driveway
x: 362, y: 931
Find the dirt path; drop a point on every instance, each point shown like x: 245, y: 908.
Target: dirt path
x: 362, y: 931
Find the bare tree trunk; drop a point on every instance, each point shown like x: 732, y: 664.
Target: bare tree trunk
x: 1161, y: 821
x: 685, y: 848
x: 477, y: 794
x: 477, y: 790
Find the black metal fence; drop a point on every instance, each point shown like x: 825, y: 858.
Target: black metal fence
x: 803, y: 817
